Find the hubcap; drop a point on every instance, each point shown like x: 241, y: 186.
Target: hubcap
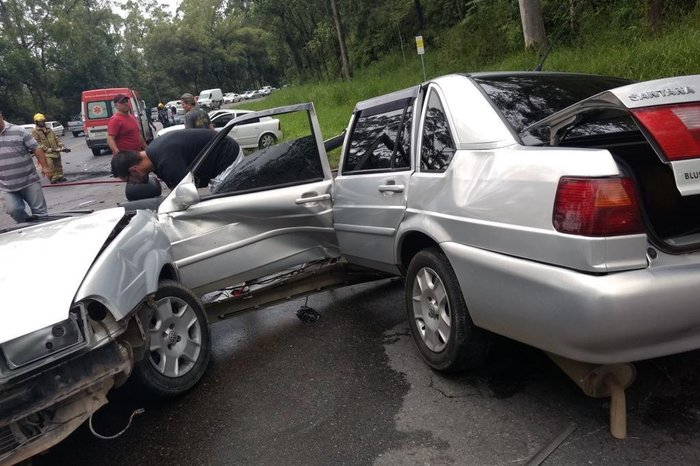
x: 431, y: 309
x: 175, y: 337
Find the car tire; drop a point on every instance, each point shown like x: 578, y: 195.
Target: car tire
x: 75, y: 133
x: 266, y: 140
x: 96, y: 152
x: 438, y: 317
x: 178, y: 343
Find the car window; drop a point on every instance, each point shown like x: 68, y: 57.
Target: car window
x: 526, y: 99
x: 97, y: 109
x: 381, y: 139
x: 219, y: 121
x: 292, y: 160
x: 438, y: 146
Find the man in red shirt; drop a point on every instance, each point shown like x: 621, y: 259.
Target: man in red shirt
x: 123, y: 132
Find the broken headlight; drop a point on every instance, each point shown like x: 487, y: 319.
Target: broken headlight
x: 44, y: 342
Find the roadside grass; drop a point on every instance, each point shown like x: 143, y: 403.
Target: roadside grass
x: 629, y: 53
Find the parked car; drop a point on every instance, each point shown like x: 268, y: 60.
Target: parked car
x: 211, y: 99
x: 75, y: 126
x: 255, y: 133
x: 230, y: 97
x: 57, y: 127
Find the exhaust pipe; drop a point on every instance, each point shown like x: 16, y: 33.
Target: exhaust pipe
x: 601, y: 381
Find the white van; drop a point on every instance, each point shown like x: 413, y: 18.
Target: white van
x: 211, y: 99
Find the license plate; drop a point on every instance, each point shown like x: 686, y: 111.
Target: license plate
x: 687, y: 175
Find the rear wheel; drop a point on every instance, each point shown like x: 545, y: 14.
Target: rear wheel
x: 438, y: 317
x: 75, y: 133
x: 266, y: 140
x: 178, y: 343
x: 96, y: 151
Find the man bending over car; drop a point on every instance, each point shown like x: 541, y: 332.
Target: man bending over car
x: 170, y: 155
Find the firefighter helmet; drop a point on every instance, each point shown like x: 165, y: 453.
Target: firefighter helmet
x: 39, y: 117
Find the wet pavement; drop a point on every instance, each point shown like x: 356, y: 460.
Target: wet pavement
x: 351, y: 388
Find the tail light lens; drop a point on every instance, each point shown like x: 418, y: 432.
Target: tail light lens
x: 675, y: 128
x: 596, y: 207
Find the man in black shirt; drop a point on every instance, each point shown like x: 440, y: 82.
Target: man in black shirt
x: 169, y: 157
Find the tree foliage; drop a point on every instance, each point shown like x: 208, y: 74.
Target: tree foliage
x: 50, y: 51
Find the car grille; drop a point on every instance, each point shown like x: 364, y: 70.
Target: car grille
x: 7, y: 440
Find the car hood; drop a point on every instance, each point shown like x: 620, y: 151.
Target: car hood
x: 44, y: 265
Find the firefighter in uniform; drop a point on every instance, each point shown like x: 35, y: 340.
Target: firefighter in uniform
x: 51, y: 145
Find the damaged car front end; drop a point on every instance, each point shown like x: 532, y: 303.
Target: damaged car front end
x: 72, y: 329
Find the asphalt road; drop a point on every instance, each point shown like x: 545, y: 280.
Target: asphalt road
x: 351, y: 389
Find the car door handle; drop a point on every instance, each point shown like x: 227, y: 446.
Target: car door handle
x: 319, y: 198
x: 391, y: 188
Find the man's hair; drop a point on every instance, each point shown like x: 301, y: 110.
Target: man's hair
x: 187, y: 97
x: 123, y: 161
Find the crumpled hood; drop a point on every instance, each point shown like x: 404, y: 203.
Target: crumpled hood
x: 43, y: 266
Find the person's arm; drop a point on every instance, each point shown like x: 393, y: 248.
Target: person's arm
x: 113, y: 127
x: 112, y: 144
x: 41, y: 157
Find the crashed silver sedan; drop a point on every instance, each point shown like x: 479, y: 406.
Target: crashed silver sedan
x: 126, y: 304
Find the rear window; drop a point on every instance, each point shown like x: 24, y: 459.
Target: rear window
x: 98, y: 109
x: 526, y: 99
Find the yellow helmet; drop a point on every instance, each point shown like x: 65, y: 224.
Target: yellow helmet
x: 160, y: 105
x: 39, y: 117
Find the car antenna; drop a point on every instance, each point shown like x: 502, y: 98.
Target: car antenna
x: 543, y: 56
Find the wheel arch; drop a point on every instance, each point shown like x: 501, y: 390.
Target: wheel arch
x: 266, y: 133
x: 411, y: 243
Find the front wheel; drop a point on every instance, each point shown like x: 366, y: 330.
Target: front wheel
x: 178, y: 345
x: 438, y: 317
x: 266, y: 140
x: 96, y: 151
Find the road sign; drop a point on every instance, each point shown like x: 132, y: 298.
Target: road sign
x: 419, y: 45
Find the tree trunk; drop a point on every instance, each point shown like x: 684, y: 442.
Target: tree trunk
x: 345, y: 64
x: 654, y: 15
x: 533, y: 23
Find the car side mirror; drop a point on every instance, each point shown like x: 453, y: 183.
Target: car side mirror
x: 183, y: 196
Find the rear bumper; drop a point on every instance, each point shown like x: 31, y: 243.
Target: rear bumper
x: 618, y: 317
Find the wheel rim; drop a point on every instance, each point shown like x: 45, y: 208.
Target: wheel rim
x: 431, y: 309
x: 266, y: 141
x: 175, y: 337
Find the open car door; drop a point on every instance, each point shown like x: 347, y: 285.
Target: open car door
x: 269, y: 211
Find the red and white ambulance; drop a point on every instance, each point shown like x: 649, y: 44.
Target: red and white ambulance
x: 98, y: 108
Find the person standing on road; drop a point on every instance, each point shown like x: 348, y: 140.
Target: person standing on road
x: 52, y: 147
x: 171, y: 155
x: 123, y: 132
x: 163, y: 115
x: 19, y: 181
x: 195, y: 117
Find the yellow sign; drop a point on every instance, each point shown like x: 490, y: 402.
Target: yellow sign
x: 419, y: 45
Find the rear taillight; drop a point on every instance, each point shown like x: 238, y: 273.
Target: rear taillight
x: 596, y: 207
x: 675, y: 128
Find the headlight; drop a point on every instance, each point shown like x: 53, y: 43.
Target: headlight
x: 41, y: 343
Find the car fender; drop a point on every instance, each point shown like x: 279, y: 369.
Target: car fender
x: 412, y: 223
x: 128, y: 269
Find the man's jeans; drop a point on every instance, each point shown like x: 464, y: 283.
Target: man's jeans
x: 33, y: 195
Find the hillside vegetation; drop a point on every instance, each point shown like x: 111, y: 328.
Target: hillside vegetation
x: 608, y: 40
x: 51, y: 51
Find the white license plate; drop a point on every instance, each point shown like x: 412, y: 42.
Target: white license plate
x: 687, y: 175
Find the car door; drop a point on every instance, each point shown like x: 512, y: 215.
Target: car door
x: 370, y: 190
x: 271, y: 210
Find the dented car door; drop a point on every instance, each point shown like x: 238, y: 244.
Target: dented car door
x: 270, y: 211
